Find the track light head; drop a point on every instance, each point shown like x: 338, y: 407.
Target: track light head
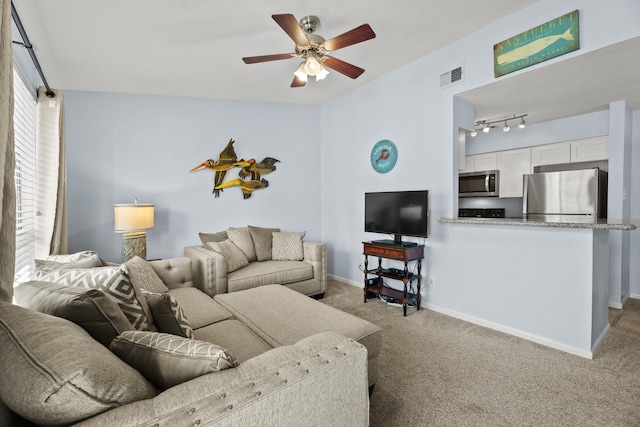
x: 521, y: 125
x: 506, y: 127
x: 485, y: 129
x: 474, y: 133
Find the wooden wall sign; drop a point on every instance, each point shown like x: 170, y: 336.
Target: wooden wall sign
x: 541, y: 43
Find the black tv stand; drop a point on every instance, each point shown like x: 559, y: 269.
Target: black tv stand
x: 402, y: 244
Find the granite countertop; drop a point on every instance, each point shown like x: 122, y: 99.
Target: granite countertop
x: 573, y: 222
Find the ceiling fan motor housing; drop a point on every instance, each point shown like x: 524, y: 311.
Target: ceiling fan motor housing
x: 310, y: 24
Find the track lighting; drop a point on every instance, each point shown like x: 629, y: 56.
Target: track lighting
x: 486, y: 125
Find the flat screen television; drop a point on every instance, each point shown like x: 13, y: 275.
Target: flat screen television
x: 401, y: 213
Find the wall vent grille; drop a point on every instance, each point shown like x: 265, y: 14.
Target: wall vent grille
x: 451, y: 77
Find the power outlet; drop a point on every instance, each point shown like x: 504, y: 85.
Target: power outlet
x: 431, y: 282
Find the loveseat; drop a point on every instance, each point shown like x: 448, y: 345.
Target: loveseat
x: 242, y: 258
x: 271, y: 368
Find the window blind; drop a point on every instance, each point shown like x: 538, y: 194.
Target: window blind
x: 24, y: 123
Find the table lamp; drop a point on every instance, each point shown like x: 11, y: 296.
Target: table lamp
x: 131, y: 220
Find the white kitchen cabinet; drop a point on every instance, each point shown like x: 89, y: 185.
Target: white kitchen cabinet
x: 481, y: 162
x: 551, y: 154
x: 585, y: 150
x: 513, y: 165
x: 486, y: 162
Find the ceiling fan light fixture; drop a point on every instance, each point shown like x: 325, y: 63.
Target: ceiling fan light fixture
x: 300, y: 74
x: 312, y: 67
x: 323, y: 73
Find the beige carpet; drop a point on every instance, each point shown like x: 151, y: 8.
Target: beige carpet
x: 439, y: 371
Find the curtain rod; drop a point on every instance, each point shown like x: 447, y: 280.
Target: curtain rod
x: 27, y: 44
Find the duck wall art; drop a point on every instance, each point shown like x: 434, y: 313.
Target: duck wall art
x: 249, y: 169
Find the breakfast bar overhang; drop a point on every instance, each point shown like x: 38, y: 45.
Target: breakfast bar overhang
x: 547, y: 282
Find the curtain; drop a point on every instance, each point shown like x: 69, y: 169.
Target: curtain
x: 7, y: 158
x: 51, y: 217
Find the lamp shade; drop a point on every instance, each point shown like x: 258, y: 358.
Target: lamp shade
x: 130, y: 217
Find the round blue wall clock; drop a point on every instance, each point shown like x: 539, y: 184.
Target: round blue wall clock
x: 384, y: 156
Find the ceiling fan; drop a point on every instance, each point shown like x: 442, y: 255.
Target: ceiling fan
x: 313, y: 49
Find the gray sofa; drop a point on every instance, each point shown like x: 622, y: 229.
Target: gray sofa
x: 299, y: 363
x: 307, y: 275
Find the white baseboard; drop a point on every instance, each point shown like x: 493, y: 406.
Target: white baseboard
x: 634, y: 296
x: 501, y: 328
x: 516, y: 332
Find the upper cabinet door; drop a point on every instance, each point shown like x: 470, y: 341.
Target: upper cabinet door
x: 513, y: 165
x: 586, y: 150
x: 486, y: 162
x: 551, y: 154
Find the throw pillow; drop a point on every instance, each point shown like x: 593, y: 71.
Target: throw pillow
x: 213, y: 237
x: 262, y: 241
x: 167, y: 360
x: 168, y: 315
x: 53, y: 373
x: 242, y: 238
x: 90, y: 309
x: 287, y: 246
x: 114, y: 282
x: 44, y: 266
x: 71, y: 257
x: 143, y: 276
x: 232, y: 254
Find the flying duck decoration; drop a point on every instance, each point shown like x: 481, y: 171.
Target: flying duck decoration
x: 249, y: 169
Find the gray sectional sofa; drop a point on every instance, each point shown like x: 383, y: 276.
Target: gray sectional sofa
x: 303, y: 270
x: 295, y: 361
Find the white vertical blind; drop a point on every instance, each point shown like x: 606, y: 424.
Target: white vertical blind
x: 24, y: 122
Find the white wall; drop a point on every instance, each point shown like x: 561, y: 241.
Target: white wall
x: 125, y: 146
x: 634, y: 262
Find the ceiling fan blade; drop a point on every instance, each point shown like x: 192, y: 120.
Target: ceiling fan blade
x: 357, y: 35
x: 290, y: 25
x: 343, y: 67
x: 265, y: 58
x: 297, y: 82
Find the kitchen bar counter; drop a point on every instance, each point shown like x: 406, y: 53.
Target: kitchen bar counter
x: 575, y: 222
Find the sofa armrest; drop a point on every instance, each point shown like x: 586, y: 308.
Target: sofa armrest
x: 209, y: 270
x: 316, y: 254
x: 319, y: 381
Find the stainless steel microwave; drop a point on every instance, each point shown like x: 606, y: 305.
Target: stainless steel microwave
x: 479, y: 184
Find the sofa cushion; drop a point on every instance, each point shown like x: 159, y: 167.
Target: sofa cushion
x: 213, y: 237
x: 287, y: 246
x: 167, y: 360
x: 198, y: 307
x: 262, y: 241
x: 242, y: 238
x: 91, y: 309
x: 143, y: 276
x: 269, y: 272
x: 231, y: 253
x: 236, y: 337
x: 168, y: 315
x: 114, y: 282
x: 46, y: 383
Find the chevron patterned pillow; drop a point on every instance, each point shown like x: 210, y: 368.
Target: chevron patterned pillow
x: 114, y: 282
x: 167, y: 360
x: 168, y: 315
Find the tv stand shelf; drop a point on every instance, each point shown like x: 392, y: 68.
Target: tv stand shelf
x: 406, y: 254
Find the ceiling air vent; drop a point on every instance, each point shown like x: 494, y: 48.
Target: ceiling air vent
x: 451, y: 77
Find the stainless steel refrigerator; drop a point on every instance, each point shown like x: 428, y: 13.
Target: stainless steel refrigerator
x: 572, y: 195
